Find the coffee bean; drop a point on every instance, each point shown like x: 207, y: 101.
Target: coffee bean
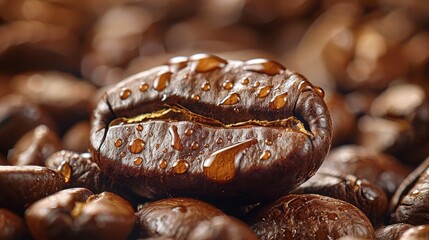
x: 255, y: 135
x: 381, y: 169
x: 22, y: 185
x: 309, y: 216
x: 18, y: 115
x: 12, y: 226
x: 35, y: 147
x: 416, y: 233
x: 361, y: 193
x: 393, y: 232
x: 411, y: 201
x: 222, y: 227
x: 173, y: 217
x: 78, y: 213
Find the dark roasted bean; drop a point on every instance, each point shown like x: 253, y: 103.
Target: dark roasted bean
x: 381, y: 169
x: 222, y: 227
x: 78, y: 213
x: 173, y: 217
x: 18, y: 115
x: 391, y: 232
x: 410, y: 204
x: 310, y: 216
x: 363, y: 194
x: 12, y: 226
x: 35, y: 147
x: 192, y: 128
x: 23, y: 185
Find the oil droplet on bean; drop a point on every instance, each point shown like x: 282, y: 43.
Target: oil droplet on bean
x: 220, y: 166
x: 165, y: 150
x: 138, y: 161
x: 264, y: 91
x: 163, y: 164
x: 177, y: 63
x: 256, y: 84
x: 195, y: 146
x: 265, y: 155
x: 268, y: 142
x: 265, y: 66
x: 245, y: 81
x: 228, y: 85
x: 125, y: 93
x: 304, y: 86
x: 162, y: 81
x: 236, y: 110
x: 180, y: 166
x: 175, y: 139
x: 143, y: 87
x: 122, y: 154
x: 219, y: 140
x: 201, y: 152
x: 136, y: 146
x: 157, y: 145
x: 415, y: 193
x: 319, y: 91
x: 196, y: 97
x: 206, y: 63
x: 139, y: 127
x: 66, y: 170
x: 118, y: 142
x: 231, y: 99
x: 189, y: 131
x: 278, y: 101
x: 229, y: 138
x: 182, y: 209
x: 205, y: 87
x: 206, y: 145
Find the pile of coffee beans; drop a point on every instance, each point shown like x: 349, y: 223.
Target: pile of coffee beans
x: 192, y: 119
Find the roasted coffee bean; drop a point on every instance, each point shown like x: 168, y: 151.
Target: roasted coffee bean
x: 310, y: 216
x: 78, y: 213
x: 77, y: 137
x: 12, y: 226
x: 392, y: 232
x: 66, y: 98
x: 381, y: 169
x: 22, y: 185
x: 78, y: 170
x: 173, y: 217
x: 398, y: 123
x: 208, y: 127
x: 222, y: 227
x: 35, y: 147
x: 361, y: 193
x: 416, y: 233
x: 410, y: 203
x: 18, y: 115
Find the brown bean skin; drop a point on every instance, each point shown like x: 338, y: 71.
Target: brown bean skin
x: 12, y: 226
x: 173, y: 217
x: 392, y: 232
x: 77, y: 213
x: 381, y: 169
x: 361, y: 193
x: 222, y: 227
x: 35, y: 147
x: 410, y: 203
x: 416, y: 233
x: 217, y: 161
x: 23, y: 185
x: 310, y: 216
x: 19, y: 115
